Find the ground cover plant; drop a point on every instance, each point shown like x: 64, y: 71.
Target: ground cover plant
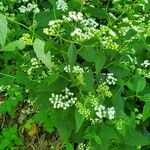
x: 74, y: 75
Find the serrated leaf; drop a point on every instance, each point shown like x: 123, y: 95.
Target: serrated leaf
x: 72, y: 54
x: 14, y: 46
x: 79, y: 120
x: 3, y: 29
x: 38, y: 46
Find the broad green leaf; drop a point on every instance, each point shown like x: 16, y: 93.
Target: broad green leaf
x: 14, y: 46
x: 137, y: 138
x: 39, y: 50
x: 88, y: 53
x: 3, y: 29
x: 137, y: 84
x: 146, y: 111
x: 141, y: 84
x: 79, y: 120
x: 72, y: 54
x: 130, y: 34
x: 23, y: 79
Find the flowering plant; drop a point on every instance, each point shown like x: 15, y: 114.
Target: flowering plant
x: 74, y: 74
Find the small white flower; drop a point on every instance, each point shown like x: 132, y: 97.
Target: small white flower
x: 61, y: 5
x: 77, y: 32
x: 111, y: 113
x: 110, y: 79
x: 63, y: 100
x: 22, y: 9
x: 146, y: 63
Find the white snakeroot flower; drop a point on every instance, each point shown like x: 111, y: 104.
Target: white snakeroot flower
x: 22, y: 9
x: 111, y: 113
x: 110, y: 79
x: 76, y: 69
x: 77, y: 32
x: 102, y: 112
x: 30, y: 7
x: 75, y: 16
x: 63, y: 100
x: 61, y: 5
x: 146, y: 63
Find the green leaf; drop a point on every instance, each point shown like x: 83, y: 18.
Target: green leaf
x: 3, y: 29
x: 88, y: 53
x: 146, y: 111
x: 38, y: 46
x: 130, y: 34
x: 52, y: 78
x: 79, y: 120
x: 88, y: 81
x: 69, y: 146
x: 97, y: 139
x: 99, y: 61
x: 145, y: 97
x: 72, y: 54
x: 14, y: 46
x: 49, y: 45
x: 141, y: 84
x: 137, y: 138
x: 23, y: 79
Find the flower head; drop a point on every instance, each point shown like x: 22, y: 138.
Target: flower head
x: 61, y: 5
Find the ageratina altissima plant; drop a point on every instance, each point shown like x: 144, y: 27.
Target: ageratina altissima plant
x: 74, y: 74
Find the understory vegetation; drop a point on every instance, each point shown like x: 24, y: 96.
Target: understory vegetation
x: 74, y: 74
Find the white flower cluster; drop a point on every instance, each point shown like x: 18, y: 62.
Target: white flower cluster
x: 102, y: 112
x: 76, y: 69
x: 35, y: 64
x: 145, y: 64
x: 73, y: 16
x: 111, y: 113
x: 110, y: 79
x: 29, y: 8
x: 61, y: 5
x: 88, y: 29
x: 54, y: 26
x: 64, y: 100
x: 37, y: 71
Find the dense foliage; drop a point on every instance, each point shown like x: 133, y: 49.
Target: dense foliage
x: 74, y: 74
